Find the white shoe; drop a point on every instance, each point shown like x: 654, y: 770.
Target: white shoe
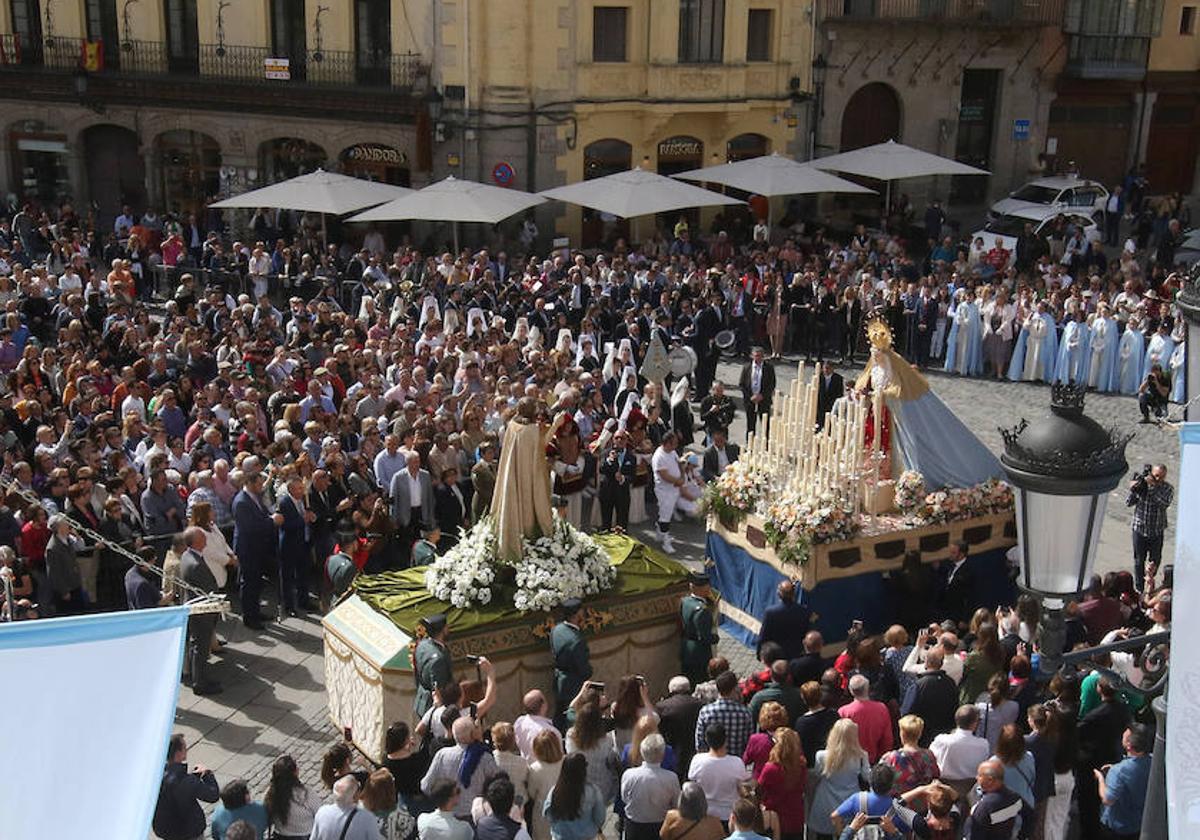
x: 668, y: 547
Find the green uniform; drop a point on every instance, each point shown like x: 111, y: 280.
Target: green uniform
x: 698, y: 638
x: 431, y: 666
x: 572, y: 663
x: 423, y: 553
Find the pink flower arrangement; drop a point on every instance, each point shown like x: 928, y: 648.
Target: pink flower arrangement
x: 952, y: 503
x: 736, y: 492
x: 793, y: 525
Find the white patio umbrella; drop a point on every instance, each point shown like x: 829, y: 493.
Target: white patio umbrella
x: 772, y: 175
x: 317, y: 192
x: 892, y: 161
x: 636, y: 192
x: 452, y: 200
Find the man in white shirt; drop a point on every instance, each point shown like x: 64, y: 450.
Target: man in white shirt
x: 649, y: 791
x: 533, y: 723
x: 668, y: 479
x: 952, y: 663
x: 719, y: 773
x: 959, y: 753
x: 441, y: 824
x: 259, y: 268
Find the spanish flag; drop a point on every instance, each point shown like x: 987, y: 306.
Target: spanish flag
x: 91, y: 56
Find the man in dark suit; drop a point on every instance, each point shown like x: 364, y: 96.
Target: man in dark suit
x: 785, y: 623
x: 709, y: 321
x: 719, y: 455
x: 450, y: 509
x: 617, y: 471
x: 758, y: 388
x: 802, y: 304
x: 677, y: 713
x: 195, y: 572
x: 810, y: 665
x: 254, y: 539
x: 324, y: 500
x: 295, y: 548
x: 717, y: 409
x: 958, y: 596
x: 830, y: 388
x: 926, y: 323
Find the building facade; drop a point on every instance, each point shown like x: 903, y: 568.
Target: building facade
x: 967, y: 79
x: 167, y: 103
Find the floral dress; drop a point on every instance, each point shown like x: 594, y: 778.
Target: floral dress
x: 914, y: 767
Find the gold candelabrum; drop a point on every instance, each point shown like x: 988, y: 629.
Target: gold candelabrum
x: 816, y: 462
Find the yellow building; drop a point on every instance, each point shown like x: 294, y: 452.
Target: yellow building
x: 1173, y: 81
x: 170, y: 102
x: 556, y: 92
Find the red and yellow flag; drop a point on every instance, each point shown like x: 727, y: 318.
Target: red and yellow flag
x: 92, y: 56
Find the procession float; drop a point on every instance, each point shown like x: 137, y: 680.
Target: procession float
x: 837, y: 505
x: 498, y: 588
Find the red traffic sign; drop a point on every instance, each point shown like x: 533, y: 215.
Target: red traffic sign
x: 503, y: 174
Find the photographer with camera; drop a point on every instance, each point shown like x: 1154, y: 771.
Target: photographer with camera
x: 1153, y: 393
x: 1149, y: 495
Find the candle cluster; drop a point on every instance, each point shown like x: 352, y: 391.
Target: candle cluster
x: 808, y: 461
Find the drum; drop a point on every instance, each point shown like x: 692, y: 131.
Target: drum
x: 682, y: 361
x: 725, y: 341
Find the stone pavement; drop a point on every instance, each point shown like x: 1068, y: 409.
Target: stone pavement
x: 274, y: 700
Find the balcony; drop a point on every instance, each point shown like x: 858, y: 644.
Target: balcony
x: 982, y: 12
x: 1107, y: 57
x: 376, y: 87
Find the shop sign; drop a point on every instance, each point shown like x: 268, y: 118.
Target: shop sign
x: 277, y: 68
x: 680, y: 147
x: 371, y: 153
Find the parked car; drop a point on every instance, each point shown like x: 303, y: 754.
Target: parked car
x: 1057, y: 193
x: 1011, y: 225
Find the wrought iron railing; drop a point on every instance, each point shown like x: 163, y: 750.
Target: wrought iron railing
x: 981, y: 11
x: 248, y: 64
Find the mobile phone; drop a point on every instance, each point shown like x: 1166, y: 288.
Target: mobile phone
x: 347, y: 734
x: 473, y: 657
x: 599, y: 686
x: 856, y: 624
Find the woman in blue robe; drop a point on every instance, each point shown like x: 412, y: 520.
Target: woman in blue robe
x: 1130, y: 355
x: 1036, y: 351
x: 964, y: 345
x: 1101, y: 364
x: 1072, y: 353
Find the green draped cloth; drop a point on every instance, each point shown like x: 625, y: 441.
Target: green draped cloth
x: 402, y: 596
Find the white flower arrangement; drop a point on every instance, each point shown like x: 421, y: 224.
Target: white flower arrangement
x: 464, y: 575
x: 563, y: 564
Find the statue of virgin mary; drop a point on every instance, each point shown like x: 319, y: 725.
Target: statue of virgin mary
x: 925, y: 436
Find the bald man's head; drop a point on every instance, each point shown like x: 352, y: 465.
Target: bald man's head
x: 787, y: 591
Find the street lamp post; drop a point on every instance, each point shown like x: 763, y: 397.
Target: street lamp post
x: 1188, y: 302
x: 1062, y: 468
x: 819, y: 68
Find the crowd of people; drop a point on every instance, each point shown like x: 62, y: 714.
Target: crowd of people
x: 183, y: 412
x: 944, y: 729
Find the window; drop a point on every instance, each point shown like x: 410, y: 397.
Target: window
x: 1187, y: 20
x: 701, y: 31
x: 608, y: 33
x: 758, y: 35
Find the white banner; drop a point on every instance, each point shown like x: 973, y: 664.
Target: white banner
x: 1183, y: 711
x: 91, y: 703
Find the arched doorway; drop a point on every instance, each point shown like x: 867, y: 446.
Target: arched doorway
x: 376, y: 162
x: 189, y: 169
x: 116, y: 171
x: 746, y: 146
x: 871, y: 116
x: 287, y: 157
x: 603, y: 157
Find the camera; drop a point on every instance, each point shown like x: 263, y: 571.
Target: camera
x: 1139, y: 481
x: 473, y: 657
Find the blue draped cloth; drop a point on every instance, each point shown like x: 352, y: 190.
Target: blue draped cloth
x: 935, y: 443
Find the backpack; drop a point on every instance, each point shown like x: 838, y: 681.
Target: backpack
x: 870, y: 831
